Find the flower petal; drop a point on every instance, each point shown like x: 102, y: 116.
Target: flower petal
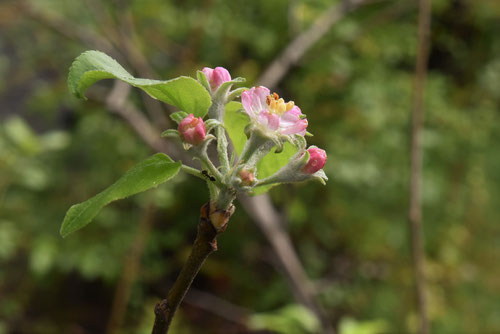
x: 254, y: 100
x: 291, y: 123
x: 209, y: 72
x: 269, y: 120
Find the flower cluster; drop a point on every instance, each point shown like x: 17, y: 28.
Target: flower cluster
x: 271, y: 114
x: 272, y: 123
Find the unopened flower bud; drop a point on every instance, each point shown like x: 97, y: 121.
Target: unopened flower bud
x: 317, y: 159
x: 247, y: 177
x: 192, y: 129
x: 217, y: 76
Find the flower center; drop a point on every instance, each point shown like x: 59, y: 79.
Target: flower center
x: 277, y: 105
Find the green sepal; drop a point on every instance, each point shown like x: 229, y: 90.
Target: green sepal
x: 170, y: 133
x: 223, y: 89
x: 211, y: 124
x: 178, y: 116
x: 202, y: 78
x: 235, y: 93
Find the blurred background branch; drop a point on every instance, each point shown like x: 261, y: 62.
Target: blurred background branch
x: 415, y: 210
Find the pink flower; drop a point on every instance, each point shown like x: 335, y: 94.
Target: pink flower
x: 317, y: 159
x: 192, y: 129
x: 270, y: 111
x: 217, y: 76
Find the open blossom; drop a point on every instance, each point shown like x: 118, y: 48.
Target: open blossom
x: 271, y: 111
x: 216, y: 76
x: 317, y: 159
x: 192, y: 129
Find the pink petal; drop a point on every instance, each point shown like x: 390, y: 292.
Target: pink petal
x: 298, y: 128
x: 291, y: 123
x: 271, y: 121
x: 317, y: 159
x: 192, y: 129
x: 254, y: 100
x: 208, y: 73
x: 220, y: 75
x: 186, y: 123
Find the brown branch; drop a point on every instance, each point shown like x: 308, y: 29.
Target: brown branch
x: 204, y: 244
x: 304, y: 41
x: 131, y: 266
x: 415, y: 208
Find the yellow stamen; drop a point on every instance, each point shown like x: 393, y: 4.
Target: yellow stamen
x: 276, y: 105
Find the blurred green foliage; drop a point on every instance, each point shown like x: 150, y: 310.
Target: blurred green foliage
x: 352, y: 236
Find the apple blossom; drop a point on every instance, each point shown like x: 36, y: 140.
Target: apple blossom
x: 216, y: 76
x: 192, y: 130
x: 272, y: 113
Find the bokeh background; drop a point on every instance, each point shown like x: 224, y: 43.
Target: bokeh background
x: 350, y: 237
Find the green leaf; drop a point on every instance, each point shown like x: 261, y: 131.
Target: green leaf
x: 271, y: 163
x: 145, y: 175
x: 185, y: 93
x: 235, y: 122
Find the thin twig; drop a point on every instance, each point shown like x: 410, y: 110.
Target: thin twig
x: 203, y: 246
x: 304, y: 41
x: 415, y: 209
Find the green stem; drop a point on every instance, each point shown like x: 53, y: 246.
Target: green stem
x: 255, y: 147
x: 216, y: 111
x: 193, y: 171
x: 222, y: 149
x: 266, y: 181
x: 207, y: 163
x: 225, y: 199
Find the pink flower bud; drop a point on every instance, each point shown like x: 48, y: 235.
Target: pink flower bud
x: 217, y: 76
x: 247, y: 177
x: 317, y: 159
x: 192, y: 129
